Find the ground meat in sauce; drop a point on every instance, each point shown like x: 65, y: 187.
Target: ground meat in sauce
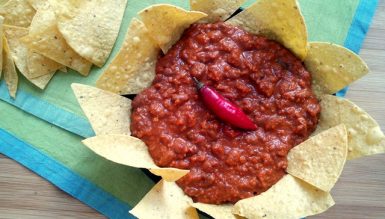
x: 262, y: 77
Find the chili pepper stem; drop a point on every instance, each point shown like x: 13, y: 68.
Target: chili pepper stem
x: 198, y: 83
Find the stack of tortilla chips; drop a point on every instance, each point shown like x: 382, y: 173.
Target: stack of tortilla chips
x: 40, y: 37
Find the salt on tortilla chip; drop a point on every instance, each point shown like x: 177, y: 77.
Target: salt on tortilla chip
x: 333, y: 67
x: 320, y: 160
x: 364, y: 134
x: 280, y: 20
x: 164, y: 201
x: 108, y: 113
x: 130, y: 151
x: 10, y: 75
x: 217, y: 10
x: 222, y: 211
x: 92, y: 26
x: 45, y: 39
x: 166, y: 23
x: 17, y: 13
x: 133, y: 68
x: 289, y: 198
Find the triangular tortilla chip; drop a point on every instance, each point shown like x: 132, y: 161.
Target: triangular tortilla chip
x: 42, y: 81
x: 20, y: 53
x: 166, y: 23
x: 289, y: 198
x: 38, y: 64
x: 333, y: 67
x: 320, y: 160
x: 108, y: 113
x: 280, y: 20
x: 10, y: 75
x: 364, y: 134
x: 222, y: 211
x: 165, y: 201
x: 217, y: 10
x: 18, y: 50
x: 91, y: 27
x: 130, y: 151
x: 17, y: 12
x: 48, y: 41
x: 133, y: 68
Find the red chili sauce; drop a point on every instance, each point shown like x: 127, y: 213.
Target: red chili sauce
x: 260, y: 76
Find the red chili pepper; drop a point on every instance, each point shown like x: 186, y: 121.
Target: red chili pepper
x: 223, y: 108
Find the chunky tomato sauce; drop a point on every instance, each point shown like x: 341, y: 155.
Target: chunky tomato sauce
x: 259, y: 75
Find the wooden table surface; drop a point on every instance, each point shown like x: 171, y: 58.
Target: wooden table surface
x: 360, y: 192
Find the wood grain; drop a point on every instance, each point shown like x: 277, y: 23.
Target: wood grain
x: 360, y: 193
x: 25, y: 195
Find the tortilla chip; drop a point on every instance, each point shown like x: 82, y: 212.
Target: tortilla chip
x: 333, y: 67
x: 217, y: 10
x: 10, y: 75
x: 108, y: 113
x: 91, y: 27
x: 45, y: 39
x: 217, y: 211
x: 364, y: 134
x: 17, y: 13
x: 164, y: 201
x: 130, y: 151
x: 320, y: 160
x: 64, y: 69
x: 20, y: 54
x: 38, y: 4
x: 133, y: 68
x: 289, y: 198
x: 39, y: 65
x: 168, y: 174
x: 18, y: 50
x: 42, y: 81
x: 166, y: 23
x: 280, y: 20
x: 2, y: 2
